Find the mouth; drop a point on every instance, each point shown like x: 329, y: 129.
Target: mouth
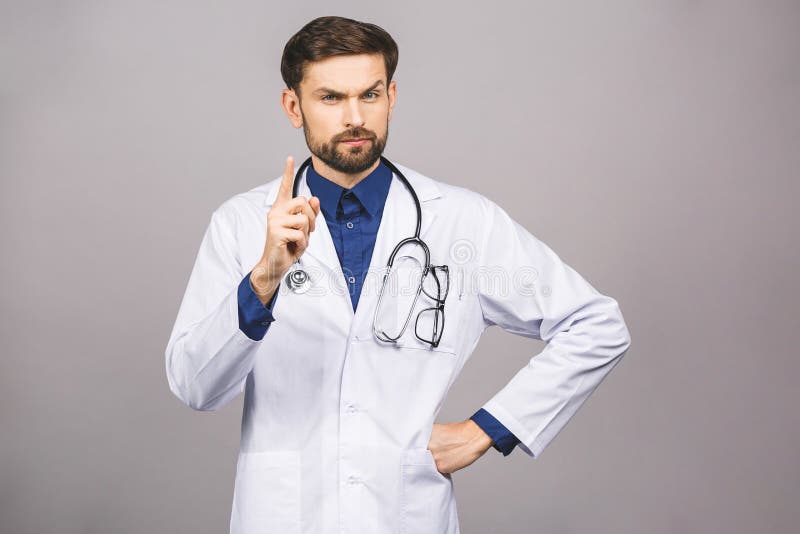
x: 355, y: 142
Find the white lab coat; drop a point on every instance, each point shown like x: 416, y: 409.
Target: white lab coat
x: 335, y: 425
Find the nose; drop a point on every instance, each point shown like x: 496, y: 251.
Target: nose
x: 353, y: 117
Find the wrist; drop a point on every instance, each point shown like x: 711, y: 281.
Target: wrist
x: 478, y: 436
x: 264, y: 281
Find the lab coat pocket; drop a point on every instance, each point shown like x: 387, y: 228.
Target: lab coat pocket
x: 266, y: 496
x: 426, y: 495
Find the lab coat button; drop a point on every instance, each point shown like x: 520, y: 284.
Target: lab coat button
x: 351, y: 408
x: 353, y: 480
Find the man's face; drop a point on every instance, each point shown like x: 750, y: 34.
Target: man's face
x: 345, y: 98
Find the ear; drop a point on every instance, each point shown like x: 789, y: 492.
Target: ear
x: 392, y: 93
x: 290, y: 103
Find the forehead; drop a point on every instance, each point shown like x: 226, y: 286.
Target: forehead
x: 344, y: 73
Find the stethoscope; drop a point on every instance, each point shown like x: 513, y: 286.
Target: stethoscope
x: 298, y: 279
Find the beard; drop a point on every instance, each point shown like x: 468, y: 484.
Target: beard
x: 350, y: 159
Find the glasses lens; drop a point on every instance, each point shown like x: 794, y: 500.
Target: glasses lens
x: 430, y: 325
x: 399, y: 292
x: 437, y: 282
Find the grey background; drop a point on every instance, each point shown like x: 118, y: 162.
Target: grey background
x: 653, y: 145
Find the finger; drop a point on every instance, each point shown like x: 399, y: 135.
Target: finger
x: 285, y: 190
x: 309, y: 212
x: 295, y: 205
x: 314, y: 202
x: 301, y: 205
x: 291, y: 235
x: 296, y: 238
x: 298, y: 221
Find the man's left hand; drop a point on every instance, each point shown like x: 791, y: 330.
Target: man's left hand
x: 456, y: 445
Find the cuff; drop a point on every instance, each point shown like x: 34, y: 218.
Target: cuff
x: 254, y: 317
x: 504, y: 440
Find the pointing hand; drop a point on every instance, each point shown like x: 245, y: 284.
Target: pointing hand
x: 289, y: 223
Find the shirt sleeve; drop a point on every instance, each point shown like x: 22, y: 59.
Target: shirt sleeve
x: 254, y: 317
x: 503, y: 439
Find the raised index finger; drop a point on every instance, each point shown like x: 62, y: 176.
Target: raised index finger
x: 285, y: 190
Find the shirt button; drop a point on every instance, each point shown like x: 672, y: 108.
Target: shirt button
x: 349, y: 224
x: 352, y: 279
x: 264, y: 323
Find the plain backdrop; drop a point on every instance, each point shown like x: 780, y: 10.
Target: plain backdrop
x: 654, y: 146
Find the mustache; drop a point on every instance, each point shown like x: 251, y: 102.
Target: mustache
x: 359, y: 133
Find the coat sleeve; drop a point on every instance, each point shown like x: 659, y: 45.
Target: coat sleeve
x: 208, y: 356
x: 527, y: 290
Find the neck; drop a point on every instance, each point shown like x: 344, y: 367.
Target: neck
x: 342, y: 179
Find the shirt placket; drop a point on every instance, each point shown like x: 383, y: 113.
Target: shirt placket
x: 352, y: 245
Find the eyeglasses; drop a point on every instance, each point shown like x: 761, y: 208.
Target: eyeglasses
x: 433, y: 282
x: 434, y: 315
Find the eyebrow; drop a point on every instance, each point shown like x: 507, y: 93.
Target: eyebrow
x: 333, y: 92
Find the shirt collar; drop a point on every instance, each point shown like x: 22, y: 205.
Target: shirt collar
x: 371, y: 191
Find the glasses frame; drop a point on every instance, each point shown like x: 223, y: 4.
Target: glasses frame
x: 438, y: 308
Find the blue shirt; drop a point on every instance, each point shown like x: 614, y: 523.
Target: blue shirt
x: 353, y: 217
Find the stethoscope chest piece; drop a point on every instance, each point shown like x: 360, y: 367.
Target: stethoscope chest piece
x: 298, y: 281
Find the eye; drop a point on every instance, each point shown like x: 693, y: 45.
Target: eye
x: 373, y: 93
x: 329, y: 98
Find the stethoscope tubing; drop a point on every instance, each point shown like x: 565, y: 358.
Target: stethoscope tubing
x: 415, y: 238
x: 299, y: 274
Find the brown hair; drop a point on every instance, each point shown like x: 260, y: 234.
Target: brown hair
x: 335, y: 36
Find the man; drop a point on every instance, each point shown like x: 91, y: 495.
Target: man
x: 337, y: 430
